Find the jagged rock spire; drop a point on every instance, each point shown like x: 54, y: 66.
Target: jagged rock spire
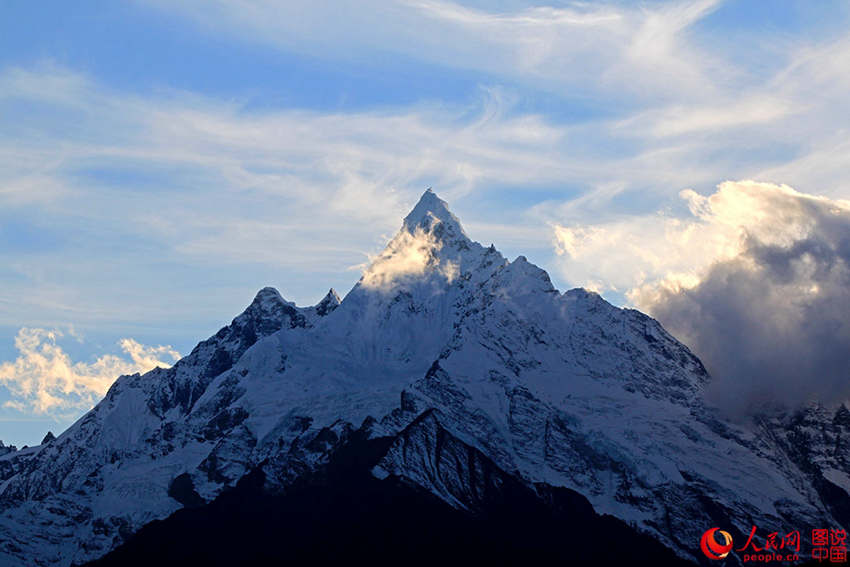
x: 429, y: 209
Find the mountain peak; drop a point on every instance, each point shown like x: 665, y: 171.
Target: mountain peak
x: 266, y: 295
x: 429, y: 209
x: 332, y: 295
x: 442, y: 343
x: 328, y: 303
x: 431, y: 242
x: 267, y: 313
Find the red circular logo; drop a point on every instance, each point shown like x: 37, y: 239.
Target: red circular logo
x: 711, y: 547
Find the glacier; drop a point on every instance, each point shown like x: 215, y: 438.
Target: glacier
x: 439, y: 334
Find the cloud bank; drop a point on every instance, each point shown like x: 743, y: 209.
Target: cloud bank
x: 575, y: 119
x: 773, y: 322
x: 585, y: 110
x: 757, y: 282
x: 44, y: 380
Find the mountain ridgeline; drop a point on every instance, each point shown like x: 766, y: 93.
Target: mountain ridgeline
x: 454, y: 406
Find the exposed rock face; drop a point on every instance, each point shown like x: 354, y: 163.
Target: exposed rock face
x: 472, y: 369
x: 5, y: 450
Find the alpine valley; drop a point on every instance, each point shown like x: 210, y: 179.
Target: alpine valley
x: 454, y: 407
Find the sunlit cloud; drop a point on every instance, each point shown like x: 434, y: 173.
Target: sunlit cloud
x: 407, y: 256
x: 621, y: 255
x: 674, y: 114
x: 673, y: 251
x: 301, y: 188
x: 572, y: 121
x: 757, y: 282
x: 44, y: 380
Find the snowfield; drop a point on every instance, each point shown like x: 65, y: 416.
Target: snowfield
x: 556, y: 388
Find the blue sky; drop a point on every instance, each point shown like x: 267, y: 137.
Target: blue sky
x: 161, y: 161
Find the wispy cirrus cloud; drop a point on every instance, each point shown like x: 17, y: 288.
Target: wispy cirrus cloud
x: 300, y: 188
x: 679, y: 104
x: 675, y: 108
x: 619, y: 45
x: 588, y: 119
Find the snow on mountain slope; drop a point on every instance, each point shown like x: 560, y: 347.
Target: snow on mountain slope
x: 555, y: 388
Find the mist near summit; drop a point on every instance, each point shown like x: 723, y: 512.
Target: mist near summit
x: 447, y: 370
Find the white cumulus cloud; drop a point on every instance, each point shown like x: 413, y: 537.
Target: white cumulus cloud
x: 756, y: 282
x: 635, y: 254
x: 44, y: 380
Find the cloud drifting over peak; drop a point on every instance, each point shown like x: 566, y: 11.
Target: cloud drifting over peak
x: 757, y: 283
x: 304, y: 191
x: 44, y: 380
x: 408, y: 255
x: 288, y: 135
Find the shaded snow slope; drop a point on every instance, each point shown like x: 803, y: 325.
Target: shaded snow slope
x: 556, y: 388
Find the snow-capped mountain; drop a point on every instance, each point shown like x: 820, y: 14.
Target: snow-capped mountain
x: 459, y: 361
